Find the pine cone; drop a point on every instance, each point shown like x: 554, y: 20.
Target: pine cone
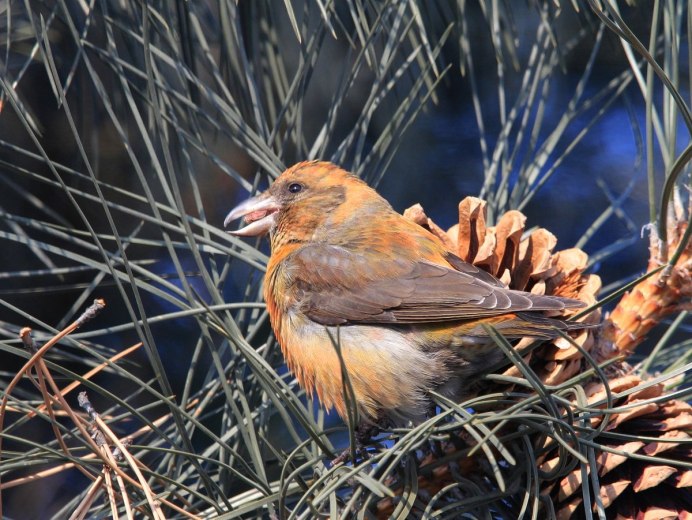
x: 658, y: 296
x: 633, y: 488
x: 525, y: 261
x: 630, y: 487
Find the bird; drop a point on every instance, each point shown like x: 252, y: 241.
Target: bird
x: 352, y: 283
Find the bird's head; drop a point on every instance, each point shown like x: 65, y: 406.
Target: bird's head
x: 304, y: 201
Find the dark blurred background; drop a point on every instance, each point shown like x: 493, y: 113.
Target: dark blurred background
x: 438, y: 161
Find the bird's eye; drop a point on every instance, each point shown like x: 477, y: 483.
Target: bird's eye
x: 295, y: 187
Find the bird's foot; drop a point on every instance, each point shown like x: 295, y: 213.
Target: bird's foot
x: 360, y: 452
x: 364, y: 434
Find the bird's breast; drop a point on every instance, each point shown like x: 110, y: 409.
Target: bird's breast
x: 387, y: 371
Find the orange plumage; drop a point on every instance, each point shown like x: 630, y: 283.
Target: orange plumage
x: 407, y: 312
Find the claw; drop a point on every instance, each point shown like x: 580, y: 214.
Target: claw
x: 345, y: 456
x: 364, y: 433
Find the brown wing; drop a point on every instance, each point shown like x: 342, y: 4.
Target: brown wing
x: 333, y: 285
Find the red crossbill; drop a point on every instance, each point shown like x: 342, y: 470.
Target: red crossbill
x: 409, y: 312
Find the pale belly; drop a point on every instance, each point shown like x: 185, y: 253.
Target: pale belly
x: 389, y: 374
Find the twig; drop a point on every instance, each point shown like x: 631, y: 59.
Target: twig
x: 153, y: 503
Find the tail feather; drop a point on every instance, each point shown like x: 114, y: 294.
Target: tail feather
x: 530, y: 325
x: 550, y: 303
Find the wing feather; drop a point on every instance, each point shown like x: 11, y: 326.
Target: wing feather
x: 333, y: 285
